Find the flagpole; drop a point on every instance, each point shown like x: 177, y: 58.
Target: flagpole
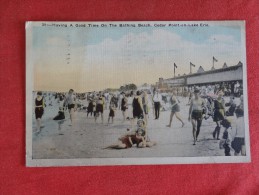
x: 174, y: 71
x: 213, y: 63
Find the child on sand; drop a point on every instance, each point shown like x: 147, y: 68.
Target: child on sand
x: 225, y: 142
x: 238, y: 133
x: 112, y: 112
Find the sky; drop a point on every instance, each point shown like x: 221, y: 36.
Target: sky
x: 95, y: 58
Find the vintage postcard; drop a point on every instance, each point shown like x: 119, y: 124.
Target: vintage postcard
x: 134, y: 93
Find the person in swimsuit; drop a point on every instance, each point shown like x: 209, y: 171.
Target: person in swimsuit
x: 60, y: 117
x: 225, y: 142
x: 128, y: 140
x: 137, y: 106
x: 124, y: 105
x: 196, y: 113
x: 61, y: 114
x: 219, y: 113
x: 148, y: 143
x: 112, y: 112
x: 232, y: 106
x: 39, y: 109
x: 175, y: 109
x: 90, y: 108
x: 70, y: 101
x: 99, y: 106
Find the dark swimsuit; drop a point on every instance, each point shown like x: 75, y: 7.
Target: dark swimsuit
x: 39, y: 110
x: 134, y: 140
x: 123, y: 105
x: 219, y: 111
x: 99, y: 107
x: 137, y: 111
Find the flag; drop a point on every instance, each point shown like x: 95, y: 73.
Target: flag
x: 175, y: 65
x: 214, y: 59
x: 191, y: 64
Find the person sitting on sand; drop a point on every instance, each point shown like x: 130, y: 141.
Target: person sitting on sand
x: 128, y: 140
x: 142, y: 124
x: 138, y: 137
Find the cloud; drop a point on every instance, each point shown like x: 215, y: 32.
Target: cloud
x: 135, y: 44
x: 135, y: 57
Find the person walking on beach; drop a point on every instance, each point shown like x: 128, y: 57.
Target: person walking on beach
x: 124, y: 105
x: 137, y: 106
x: 39, y: 109
x: 70, y: 101
x: 99, y: 106
x: 60, y: 117
x: 219, y: 113
x: 175, y: 109
x: 90, y: 108
x: 195, y: 114
x: 145, y: 104
x: 112, y: 112
x: 157, y: 99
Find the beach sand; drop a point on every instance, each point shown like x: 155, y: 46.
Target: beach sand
x: 85, y: 139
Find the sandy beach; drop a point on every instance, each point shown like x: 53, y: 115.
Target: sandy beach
x: 85, y: 139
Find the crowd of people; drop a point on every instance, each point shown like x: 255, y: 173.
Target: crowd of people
x: 204, y: 102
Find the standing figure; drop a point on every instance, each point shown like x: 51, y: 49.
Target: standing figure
x: 225, y: 142
x: 236, y: 89
x: 112, y: 112
x: 99, y: 106
x: 145, y: 105
x: 195, y: 114
x: 60, y: 117
x: 232, y: 106
x: 238, y: 133
x: 175, y: 109
x: 157, y: 99
x: 219, y: 113
x: 190, y: 98
x: 124, y: 106
x: 137, y: 106
x: 90, y: 107
x: 39, y: 110
x: 70, y: 101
